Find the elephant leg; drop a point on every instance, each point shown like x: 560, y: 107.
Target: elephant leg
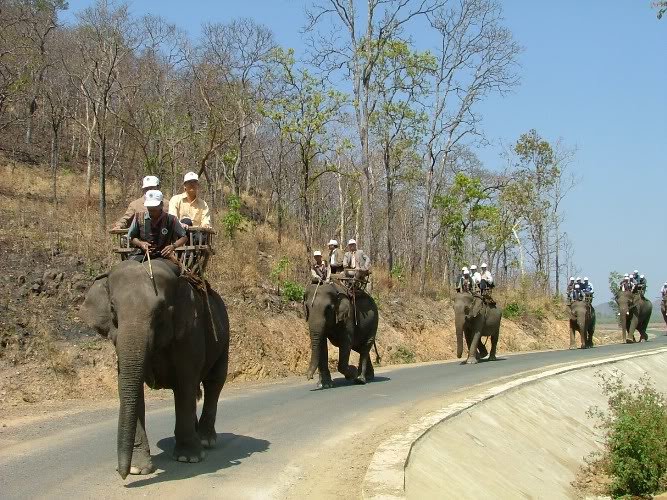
x: 188, y: 445
x: 325, y: 381
x: 482, y: 352
x: 141, y: 453
x: 370, y: 371
x: 206, y: 427
x: 213, y: 383
x: 364, y: 363
x: 494, y: 345
x: 472, y: 351
x: 572, y: 338
x: 344, y: 367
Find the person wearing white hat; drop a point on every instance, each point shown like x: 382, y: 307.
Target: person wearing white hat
x: 319, y: 271
x: 626, y: 284
x: 188, y: 207
x: 570, y: 289
x: 149, y: 182
x: 587, y: 288
x: 336, y: 256
x: 640, y: 285
x: 486, y: 278
x: 356, y: 263
x: 476, y: 276
x: 154, y: 231
x: 464, y: 283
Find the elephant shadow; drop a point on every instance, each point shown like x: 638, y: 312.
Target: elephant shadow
x: 340, y: 382
x: 229, y: 451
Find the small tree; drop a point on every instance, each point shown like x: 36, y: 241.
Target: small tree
x: 614, y: 279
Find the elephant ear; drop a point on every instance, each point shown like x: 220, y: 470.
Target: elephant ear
x: 96, y: 309
x: 342, y: 307
x: 572, y: 315
x: 476, y: 307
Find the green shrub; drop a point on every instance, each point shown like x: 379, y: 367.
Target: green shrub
x: 233, y: 220
x: 403, y: 355
x: 397, y: 272
x: 635, y: 430
x: 292, y: 291
x: 513, y: 310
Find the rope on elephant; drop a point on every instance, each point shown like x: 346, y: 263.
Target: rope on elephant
x: 201, y: 285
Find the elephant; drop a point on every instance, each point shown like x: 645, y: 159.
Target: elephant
x: 635, y: 313
x: 582, y: 320
x: 474, y: 319
x: 663, y: 308
x: 168, y: 335
x: 349, y: 323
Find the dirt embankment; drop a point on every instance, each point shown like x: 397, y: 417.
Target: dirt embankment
x: 51, y: 256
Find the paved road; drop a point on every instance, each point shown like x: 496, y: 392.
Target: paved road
x: 268, y: 433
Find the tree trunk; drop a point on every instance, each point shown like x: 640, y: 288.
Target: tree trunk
x: 103, y: 194
x: 54, y: 164
x: 390, y: 208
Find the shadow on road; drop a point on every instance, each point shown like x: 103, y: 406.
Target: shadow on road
x: 343, y: 382
x: 230, y: 450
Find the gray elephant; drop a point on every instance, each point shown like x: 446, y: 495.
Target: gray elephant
x: 475, y: 319
x: 582, y: 320
x: 663, y: 308
x: 350, y: 324
x: 635, y: 313
x: 164, y: 336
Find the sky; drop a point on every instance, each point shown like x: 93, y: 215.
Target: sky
x: 593, y: 74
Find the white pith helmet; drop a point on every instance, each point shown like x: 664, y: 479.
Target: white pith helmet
x: 352, y: 242
x: 317, y: 253
x: 473, y: 267
x: 465, y: 271
x: 635, y: 272
x: 626, y: 275
x: 641, y: 277
x: 483, y: 266
x: 586, y: 278
x: 571, y: 278
x: 333, y: 242
x: 578, y: 278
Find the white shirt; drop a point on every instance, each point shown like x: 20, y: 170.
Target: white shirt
x: 477, y: 277
x: 486, y: 276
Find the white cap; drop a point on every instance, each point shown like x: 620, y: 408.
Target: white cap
x: 473, y: 267
x: 665, y: 283
x: 150, y: 181
x: 483, y: 264
x: 352, y: 242
x: 586, y: 278
x: 578, y: 278
x: 190, y: 176
x: 333, y: 242
x: 572, y: 278
x: 465, y: 271
x: 635, y: 272
x: 626, y: 275
x: 317, y: 253
x: 641, y: 277
x: 153, y: 198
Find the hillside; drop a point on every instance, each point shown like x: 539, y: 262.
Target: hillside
x: 50, y: 256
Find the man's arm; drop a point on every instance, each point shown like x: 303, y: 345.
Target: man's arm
x: 126, y: 219
x: 205, y: 216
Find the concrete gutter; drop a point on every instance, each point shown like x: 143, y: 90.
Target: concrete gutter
x: 385, y: 476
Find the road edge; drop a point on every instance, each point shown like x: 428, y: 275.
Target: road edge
x: 385, y: 475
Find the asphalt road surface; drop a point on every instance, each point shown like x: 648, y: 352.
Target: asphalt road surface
x: 269, y: 435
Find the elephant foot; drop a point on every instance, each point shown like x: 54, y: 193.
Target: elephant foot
x: 572, y: 346
x: 141, y: 462
x: 350, y: 372
x: 471, y: 361
x: 493, y: 358
x: 327, y: 384
x: 189, y: 453
x: 208, y: 438
x: 361, y: 380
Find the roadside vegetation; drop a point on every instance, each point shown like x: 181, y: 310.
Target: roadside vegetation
x: 634, y: 460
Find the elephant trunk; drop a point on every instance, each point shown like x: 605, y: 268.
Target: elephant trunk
x: 459, y: 335
x: 131, y: 374
x: 315, y: 346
